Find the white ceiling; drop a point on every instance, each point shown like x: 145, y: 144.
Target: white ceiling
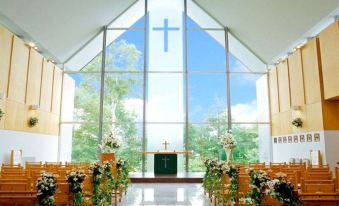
x: 267, y: 27
x: 270, y: 27
x: 60, y: 27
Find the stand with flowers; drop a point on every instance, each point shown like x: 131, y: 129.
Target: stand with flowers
x: 46, y: 187
x: 228, y: 143
x: 75, y: 181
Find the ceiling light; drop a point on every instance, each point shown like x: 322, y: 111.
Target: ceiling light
x: 296, y: 107
x: 31, y: 44
x: 34, y: 107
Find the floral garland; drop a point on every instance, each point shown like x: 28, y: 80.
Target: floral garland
x: 107, y: 182
x: 258, y: 185
x: 233, y: 172
x: 46, y: 187
x: 123, y: 178
x: 97, y: 172
x: 75, y: 181
x: 283, y: 191
x: 212, y: 179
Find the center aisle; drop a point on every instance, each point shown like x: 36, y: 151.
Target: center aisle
x: 165, y: 194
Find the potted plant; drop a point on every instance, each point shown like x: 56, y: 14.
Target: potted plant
x: 33, y: 121
x: 297, y: 122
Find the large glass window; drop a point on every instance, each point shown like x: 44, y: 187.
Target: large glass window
x: 167, y: 77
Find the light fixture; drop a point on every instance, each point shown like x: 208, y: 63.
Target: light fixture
x: 34, y: 107
x: 50, y: 60
x: 31, y: 44
x: 296, y: 107
x: 2, y: 95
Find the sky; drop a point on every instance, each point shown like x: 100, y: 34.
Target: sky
x: 205, y: 89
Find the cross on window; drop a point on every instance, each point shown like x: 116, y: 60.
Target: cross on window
x: 166, y: 29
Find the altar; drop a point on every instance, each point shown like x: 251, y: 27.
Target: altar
x: 166, y: 162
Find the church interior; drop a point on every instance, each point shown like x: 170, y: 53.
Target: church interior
x: 169, y: 102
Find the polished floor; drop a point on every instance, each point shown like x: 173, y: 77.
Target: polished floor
x: 165, y: 194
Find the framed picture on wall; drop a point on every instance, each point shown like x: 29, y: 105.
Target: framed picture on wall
x: 275, y: 140
x: 284, y: 139
x: 317, y: 137
x: 295, y: 138
x: 289, y: 139
x: 302, y: 138
x: 279, y: 140
x: 309, y: 137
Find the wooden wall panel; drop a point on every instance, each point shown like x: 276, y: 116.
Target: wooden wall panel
x: 15, y: 115
x: 54, y: 124
x: 273, y: 88
x: 314, y: 117
x: 283, y: 87
x: 275, y: 124
x: 18, y: 72
x: 296, y: 79
x: 331, y: 114
x: 310, y: 61
x: 46, y: 86
x: 285, y: 122
x: 34, y: 78
x: 3, y: 107
x: 329, y: 50
x: 57, y: 85
x: 6, y: 39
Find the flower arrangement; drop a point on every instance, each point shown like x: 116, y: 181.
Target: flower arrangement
x: 111, y: 142
x: 283, y: 191
x: 297, y: 122
x: 33, y: 121
x: 75, y: 180
x: 258, y: 185
x: 227, y: 140
x: 1, y: 113
x: 46, y: 187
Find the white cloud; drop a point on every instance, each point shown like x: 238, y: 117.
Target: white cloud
x: 135, y: 105
x: 245, y: 112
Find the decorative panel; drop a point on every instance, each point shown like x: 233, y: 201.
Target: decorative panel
x: 296, y: 79
x: 275, y: 124
x: 34, y: 78
x: 310, y: 61
x: 285, y: 122
x: 6, y: 39
x: 314, y: 117
x: 283, y: 86
x: 15, y: 116
x: 46, y: 85
x: 57, y: 85
x: 18, y: 72
x: 329, y: 50
x: 273, y: 87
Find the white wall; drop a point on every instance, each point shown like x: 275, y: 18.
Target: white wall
x: 38, y: 146
x: 283, y: 152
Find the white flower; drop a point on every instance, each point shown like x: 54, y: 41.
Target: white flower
x: 227, y: 140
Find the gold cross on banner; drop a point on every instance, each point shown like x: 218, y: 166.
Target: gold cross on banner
x: 166, y: 143
x: 166, y: 159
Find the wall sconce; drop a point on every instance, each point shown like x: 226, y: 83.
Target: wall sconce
x: 296, y: 108
x: 34, y: 107
x: 2, y: 95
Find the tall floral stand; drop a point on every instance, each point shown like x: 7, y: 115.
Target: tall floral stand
x: 228, y: 155
x: 110, y: 157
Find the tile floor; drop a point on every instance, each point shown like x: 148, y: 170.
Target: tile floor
x: 165, y: 194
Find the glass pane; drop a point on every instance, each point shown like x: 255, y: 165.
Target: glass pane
x: 85, y: 142
x: 207, y: 97
x: 204, y: 142
x: 236, y: 65
x: 166, y: 45
x: 131, y: 136
x: 125, y: 50
x: 199, y: 18
x: 206, y: 50
x: 123, y: 98
x: 165, y: 101
x: 133, y: 17
x: 68, y: 93
x: 247, y: 149
x: 248, y: 91
x: 87, y: 97
x: 265, y: 144
x: 157, y: 134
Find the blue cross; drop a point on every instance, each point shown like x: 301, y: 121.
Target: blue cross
x: 166, y: 29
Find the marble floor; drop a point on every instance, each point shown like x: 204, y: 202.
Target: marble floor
x: 165, y: 194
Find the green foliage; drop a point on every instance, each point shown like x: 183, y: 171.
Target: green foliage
x: 33, y: 121
x: 1, y: 114
x: 258, y: 185
x: 46, y: 187
x: 75, y: 181
x: 120, y: 55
